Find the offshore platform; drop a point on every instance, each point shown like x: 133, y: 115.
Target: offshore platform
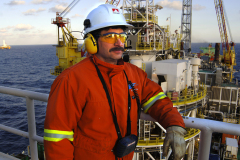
x: 199, y: 85
x: 5, y: 46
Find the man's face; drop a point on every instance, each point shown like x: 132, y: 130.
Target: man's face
x: 110, y: 52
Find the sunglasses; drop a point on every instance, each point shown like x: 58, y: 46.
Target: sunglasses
x: 113, y: 37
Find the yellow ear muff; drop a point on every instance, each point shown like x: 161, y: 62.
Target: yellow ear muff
x: 90, y: 44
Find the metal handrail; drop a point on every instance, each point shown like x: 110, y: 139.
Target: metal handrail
x: 207, y: 127
x: 31, y: 134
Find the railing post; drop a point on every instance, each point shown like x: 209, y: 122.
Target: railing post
x: 32, y: 128
x: 205, y: 143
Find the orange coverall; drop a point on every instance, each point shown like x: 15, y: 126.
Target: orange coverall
x: 78, y: 106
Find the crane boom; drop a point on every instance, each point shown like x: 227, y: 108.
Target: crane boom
x: 228, y: 48
x: 67, y: 10
x: 221, y: 23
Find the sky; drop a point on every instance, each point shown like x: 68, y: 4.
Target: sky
x: 28, y: 22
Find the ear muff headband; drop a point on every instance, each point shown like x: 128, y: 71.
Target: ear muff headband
x: 90, y: 44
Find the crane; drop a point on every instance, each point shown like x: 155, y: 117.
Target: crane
x: 67, y: 47
x: 228, y: 48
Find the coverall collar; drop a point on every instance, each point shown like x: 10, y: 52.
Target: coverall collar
x: 104, y: 66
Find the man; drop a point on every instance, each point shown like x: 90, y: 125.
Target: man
x: 82, y: 107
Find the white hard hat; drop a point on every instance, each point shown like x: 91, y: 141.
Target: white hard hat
x: 105, y: 15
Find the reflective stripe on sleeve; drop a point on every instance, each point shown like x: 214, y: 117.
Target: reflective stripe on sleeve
x: 56, y: 135
x: 152, y: 100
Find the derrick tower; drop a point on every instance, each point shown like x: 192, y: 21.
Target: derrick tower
x: 186, y: 25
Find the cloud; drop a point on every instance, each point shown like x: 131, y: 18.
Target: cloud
x: 15, y: 2
x: 33, y: 11
x: 10, y: 27
x: 58, y: 8
x: 176, y: 5
x: 6, y: 28
x: 198, y: 7
x: 77, y: 15
x: 39, y: 31
x: 36, y: 35
x: 41, y: 1
x: 18, y: 27
x: 6, y: 34
x: 23, y: 27
x: 3, y: 30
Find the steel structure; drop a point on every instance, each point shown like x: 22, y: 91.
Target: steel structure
x: 186, y: 25
x: 67, y: 47
x: 147, y: 37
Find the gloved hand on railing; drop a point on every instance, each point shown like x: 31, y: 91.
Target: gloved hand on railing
x: 175, y: 139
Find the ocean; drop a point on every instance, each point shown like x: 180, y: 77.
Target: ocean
x: 28, y: 67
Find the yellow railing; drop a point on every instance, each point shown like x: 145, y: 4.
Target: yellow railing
x: 148, y: 46
x: 56, y: 71
x: 144, y: 66
x: 158, y: 46
x: 231, y: 120
x: 159, y: 140
x: 181, y: 100
x: 153, y: 141
x: 191, y: 132
x: 136, y: 17
x: 142, y: 43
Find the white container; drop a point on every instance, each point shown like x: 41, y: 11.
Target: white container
x: 176, y: 71
x: 137, y: 62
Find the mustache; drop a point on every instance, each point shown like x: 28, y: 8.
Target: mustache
x: 116, y: 49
